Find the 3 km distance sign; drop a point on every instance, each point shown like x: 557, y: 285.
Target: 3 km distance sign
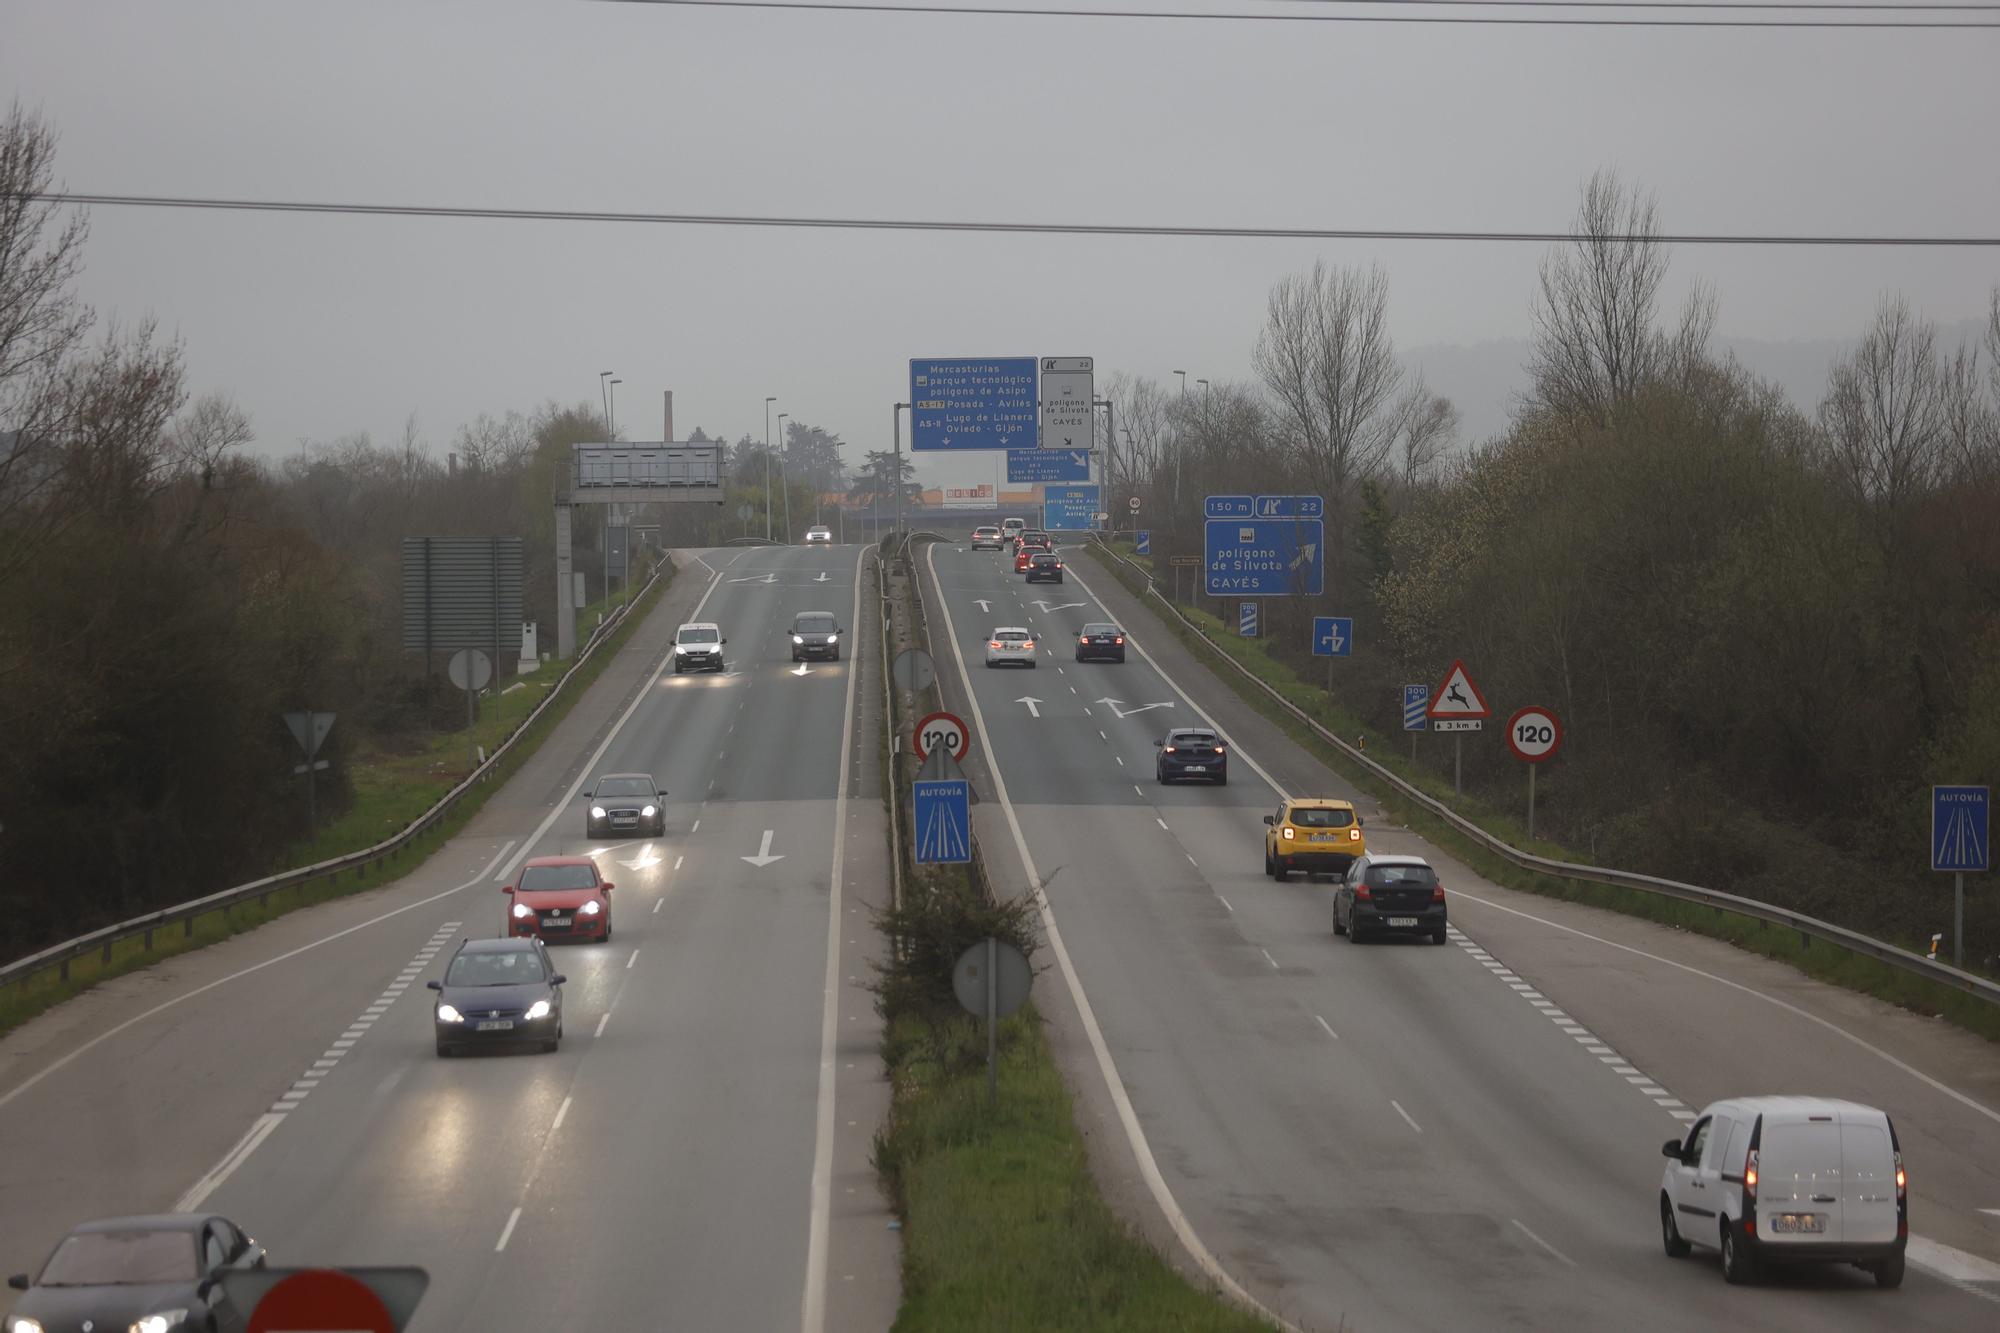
x: 1534, y: 734
x: 943, y: 731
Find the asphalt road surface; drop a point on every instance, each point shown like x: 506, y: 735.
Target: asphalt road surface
x: 1407, y: 1136
x: 695, y: 1155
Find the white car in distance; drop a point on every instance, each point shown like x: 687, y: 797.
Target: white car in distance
x: 1010, y: 643
x: 819, y: 536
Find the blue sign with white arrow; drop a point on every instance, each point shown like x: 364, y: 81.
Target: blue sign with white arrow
x: 1070, y: 508
x: 1246, y: 619
x: 1961, y: 821
x: 1333, y: 636
x: 1264, y: 557
x: 1025, y: 466
x: 974, y: 403
x: 1142, y: 542
x: 1416, y: 708
x: 942, y: 818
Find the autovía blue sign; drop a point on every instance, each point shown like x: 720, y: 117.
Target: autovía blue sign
x: 1961, y: 824
x: 1264, y: 557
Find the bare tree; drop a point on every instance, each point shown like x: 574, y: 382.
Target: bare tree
x: 1141, y: 425
x: 1596, y: 341
x: 1885, y: 414
x: 1427, y: 427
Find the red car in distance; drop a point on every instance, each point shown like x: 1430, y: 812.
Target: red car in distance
x: 560, y: 898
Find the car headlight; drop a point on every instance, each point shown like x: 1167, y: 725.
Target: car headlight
x: 160, y: 1321
x: 20, y: 1323
x: 522, y: 911
x: 447, y: 1014
x: 649, y: 811
x: 539, y: 1009
x: 680, y: 648
x: 589, y: 909
x: 597, y: 812
x: 798, y: 638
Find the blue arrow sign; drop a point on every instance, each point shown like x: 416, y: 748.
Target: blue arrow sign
x: 1416, y: 708
x: 942, y: 818
x: 1026, y: 466
x: 1264, y: 557
x: 1333, y: 636
x: 974, y: 403
x: 1142, y: 542
x: 1961, y: 820
x: 1070, y: 508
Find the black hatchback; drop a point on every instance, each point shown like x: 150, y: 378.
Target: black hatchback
x: 815, y: 634
x: 1044, y: 567
x: 1193, y: 753
x: 1389, y: 895
x: 1100, y: 641
x: 499, y: 992
x: 160, y: 1271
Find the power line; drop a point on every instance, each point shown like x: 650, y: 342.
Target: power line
x: 1809, y: 5
x: 868, y: 7
x: 1015, y: 228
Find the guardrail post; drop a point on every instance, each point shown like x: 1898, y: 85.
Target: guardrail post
x: 149, y: 939
x: 187, y: 927
x: 106, y: 959
x: 62, y: 970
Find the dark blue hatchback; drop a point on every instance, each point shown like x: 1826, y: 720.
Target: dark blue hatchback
x: 499, y: 992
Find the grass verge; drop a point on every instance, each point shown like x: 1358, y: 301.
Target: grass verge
x: 1815, y: 958
x: 46, y: 989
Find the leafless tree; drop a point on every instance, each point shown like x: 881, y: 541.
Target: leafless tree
x: 1596, y: 340
x: 1427, y: 427
x: 487, y: 444
x: 1141, y: 425
x: 203, y: 435
x: 1885, y: 414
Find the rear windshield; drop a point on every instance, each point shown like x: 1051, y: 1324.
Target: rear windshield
x: 1041, y: 558
x: 1193, y: 738
x: 813, y: 625
x: 1404, y: 877
x: 1792, y: 1156
x: 1012, y: 636
x: 1100, y: 629
x: 699, y: 636
x: 624, y: 787
x: 98, y: 1258
x: 1320, y: 817
x: 984, y: 532
x: 512, y: 968
x: 542, y: 879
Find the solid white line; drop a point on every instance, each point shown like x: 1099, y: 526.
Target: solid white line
x: 507, y: 1230
x: 1107, y: 1068
x: 1544, y: 1244
x: 812, y: 1305
x: 561, y: 1111
x: 503, y: 851
x: 259, y: 1130
x: 1406, y: 1115
x: 1267, y: 957
x: 633, y: 959
x: 606, y: 1018
x: 1225, y: 903
x: 1329, y: 1028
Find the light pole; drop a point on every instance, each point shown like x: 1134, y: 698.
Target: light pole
x: 785, y: 479
x: 611, y: 410
x: 1183, y: 375
x: 1204, y: 389
x: 602, y: 401
x: 767, y: 465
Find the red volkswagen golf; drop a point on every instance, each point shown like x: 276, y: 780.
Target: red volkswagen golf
x: 560, y: 898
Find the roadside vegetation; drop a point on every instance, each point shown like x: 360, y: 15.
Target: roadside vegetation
x: 1767, y: 628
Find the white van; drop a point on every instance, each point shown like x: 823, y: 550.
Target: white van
x: 1788, y: 1180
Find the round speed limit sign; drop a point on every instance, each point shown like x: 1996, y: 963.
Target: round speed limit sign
x: 1534, y: 734
x: 942, y: 731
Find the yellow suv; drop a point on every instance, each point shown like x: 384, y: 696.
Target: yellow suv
x: 1313, y: 834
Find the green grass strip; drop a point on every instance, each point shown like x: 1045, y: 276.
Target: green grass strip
x: 44, y: 990
x: 1816, y: 958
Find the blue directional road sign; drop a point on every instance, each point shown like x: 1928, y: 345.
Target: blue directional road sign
x: 1229, y: 506
x: 1264, y: 557
x: 1142, y: 542
x: 943, y: 821
x: 1333, y: 636
x: 1070, y: 508
x: 1416, y: 708
x: 1961, y: 820
x: 974, y: 403
x: 1026, y: 466
x: 1246, y: 619
x: 1290, y: 506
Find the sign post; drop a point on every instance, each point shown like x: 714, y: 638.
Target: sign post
x: 309, y: 730
x: 1333, y: 636
x: 1416, y: 713
x: 993, y: 979
x: 1457, y: 706
x: 1533, y: 734
x: 1961, y: 828
x: 470, y: 671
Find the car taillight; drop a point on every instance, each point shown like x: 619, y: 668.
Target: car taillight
x: 995, y: 643
x: 1750, y: 1176
x: 1119, y: 639
x: 1058, y: 564
x: 1354, y: 835
x: 1083, y: 638
x: 1437, y: 893
x: 1218, y: 749
x: 1288, y: 835
x: 1362, y: 894
x: 1902, y: 1181
x: 1169, y: 749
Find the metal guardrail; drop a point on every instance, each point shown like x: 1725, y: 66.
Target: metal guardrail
x: 1808, y: 927
x: 60, y: 956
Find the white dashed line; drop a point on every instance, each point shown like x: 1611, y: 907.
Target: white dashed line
x: 1327, y: 1027
x: 679, y: 859
x: 633, y: 959
x: 1267, y: 958
x: 1225, y: 903
x: 507, y: 1230
x: 658, y: 903
x: 1544, y: 1244
x: 1406, y: 1115
x: 561, y: 1111
x: 1161, y: 822
x: 600, y: 1024
x: 694, y: 828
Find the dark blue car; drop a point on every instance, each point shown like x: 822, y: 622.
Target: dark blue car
x: 503, y: 992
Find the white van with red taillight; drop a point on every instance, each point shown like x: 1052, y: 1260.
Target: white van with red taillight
x: 1778, y: 1180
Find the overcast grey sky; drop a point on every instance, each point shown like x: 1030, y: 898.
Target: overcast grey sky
x: 322, y: 326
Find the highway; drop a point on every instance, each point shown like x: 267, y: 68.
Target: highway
x: 1400, y: 1136
x: 694, y: 1157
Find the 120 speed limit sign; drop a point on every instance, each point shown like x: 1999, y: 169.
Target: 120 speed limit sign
x: 1534, y: 734
x: 942, y: 731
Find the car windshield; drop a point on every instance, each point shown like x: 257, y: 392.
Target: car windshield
x: 116, y: 1258
x: 514, y: 967
x: 1401, y: 876
x: 699, y: 636
x: 1317, y: 816
x: 545, y: 879
x: 813, y: 625
x: 624, y: 787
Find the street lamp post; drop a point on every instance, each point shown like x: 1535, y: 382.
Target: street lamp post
x: 611, y: 410
x: 785, y: 478
x: 767, y: 465
x: 1183, y: 375
x: 1204, y: 389
x: 602, y: 402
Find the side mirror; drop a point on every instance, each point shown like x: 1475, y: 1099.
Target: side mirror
x: 434, y: 985
x: 1671, y: 1148
x: 1161, y: 745
x: 1359, y: 821
x: 725, y: 641
x: 609, y: 886
x: 558, y: 979
x: 18, y: 1282
x: 506, y: 888
x: 253, y: 1256
x: 1271, y: 820
x: 209, y: 1286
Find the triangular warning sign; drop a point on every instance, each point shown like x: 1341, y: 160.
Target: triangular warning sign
x: 1458, y: 696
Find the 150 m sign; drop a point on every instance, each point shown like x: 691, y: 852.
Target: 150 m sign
x: 1533, y: 734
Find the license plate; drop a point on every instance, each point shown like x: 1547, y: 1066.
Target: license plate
x: 555, y: 921
x: 496, y: 1024
x: 1798, y: 1223
x: 1197, y: 768
x: 1322, y: 837
x: 1402, y: 921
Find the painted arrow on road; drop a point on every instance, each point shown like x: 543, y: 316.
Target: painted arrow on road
x: 982, y: 604
x: 821, y: 578
x: 758, y: 578
x: 1115, y: 706
x: 804, y: 669
x: 1057, y: 606
x: 645, y: 860
x: 1033, y: 710
x: 764, y: 856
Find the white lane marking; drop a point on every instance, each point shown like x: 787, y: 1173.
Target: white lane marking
x: 165, y: 1005
x: 692, y: 828
x: 259, y: 1130
x: 507, y: 1230
x: 1327, y: 1027
x: 1407, y: 1117
x: 1954, y: 1265
x: 679, y: 859
x: 1161, y: 822
x: 601, y: 1022
x: 633, y: 959
x: 1267, y: 957
x: 1120, y: 758
x: 503, y: 851
x: 1225, y: 903
x: 1136, y: 791
x: 1100, y: 731
x: 1107, y: 1068
x: 1544, y: 1244
x: 658, y: 903
x: 1191, y: 861
x: 812, y: 1305
x: 561, y: 1111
